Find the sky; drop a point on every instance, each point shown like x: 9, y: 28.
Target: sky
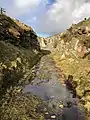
x: 47, y: 17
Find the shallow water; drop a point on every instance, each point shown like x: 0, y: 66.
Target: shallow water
x: 47, y: 83
x: 47, y: 86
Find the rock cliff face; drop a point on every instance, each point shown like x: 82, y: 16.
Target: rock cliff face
x: 71, y: 53
x: 75, y: 41
x: 19, y: 52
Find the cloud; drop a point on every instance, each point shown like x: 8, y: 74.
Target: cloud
x: 18, y: 8
x: 82, y: 12
x: 48, y: 16
x: 62, y: 14
x: 26, y: 3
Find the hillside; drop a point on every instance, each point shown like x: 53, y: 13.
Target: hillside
x: 71, y: 53
x: 19, y: 52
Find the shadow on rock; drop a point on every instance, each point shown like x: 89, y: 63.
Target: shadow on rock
x: 45, y: 52
x: 71, y: 85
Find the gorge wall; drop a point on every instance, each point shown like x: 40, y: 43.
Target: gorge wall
x: 19, y: 52
x: 71, y: 53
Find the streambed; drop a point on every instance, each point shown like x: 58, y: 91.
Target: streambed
x: 47, y: 82
x: 47, y: 86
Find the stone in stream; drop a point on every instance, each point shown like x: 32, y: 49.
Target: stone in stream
x: 53, y: 116
x: 46, y: 113
x: 61, y: 106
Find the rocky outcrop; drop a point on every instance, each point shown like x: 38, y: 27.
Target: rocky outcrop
x: 75, y: 41
x: 17, y: 33
x: 50, y: 42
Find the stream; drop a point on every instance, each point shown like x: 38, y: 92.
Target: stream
x: 47, y: 85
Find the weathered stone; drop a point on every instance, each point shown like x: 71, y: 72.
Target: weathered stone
x: 53, y: 116
x: 87, y: 105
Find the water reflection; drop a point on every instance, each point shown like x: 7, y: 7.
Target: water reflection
x: 49, y: 90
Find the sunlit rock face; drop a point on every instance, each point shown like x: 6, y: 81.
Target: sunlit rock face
x: 75, y: 41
